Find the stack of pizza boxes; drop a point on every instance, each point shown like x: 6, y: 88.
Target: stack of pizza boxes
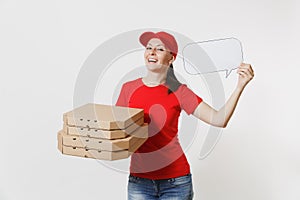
x: 102, y: 132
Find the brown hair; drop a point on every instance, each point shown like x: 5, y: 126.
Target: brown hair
x: 171, y: 80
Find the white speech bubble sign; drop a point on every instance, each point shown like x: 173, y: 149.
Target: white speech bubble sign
x: 226, y: 55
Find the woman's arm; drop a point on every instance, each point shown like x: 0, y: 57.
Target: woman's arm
x: 221, y: 117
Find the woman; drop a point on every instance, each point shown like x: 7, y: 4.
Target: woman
x: 159, y: 168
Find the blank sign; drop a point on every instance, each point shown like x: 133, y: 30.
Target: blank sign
x: 211, y: 56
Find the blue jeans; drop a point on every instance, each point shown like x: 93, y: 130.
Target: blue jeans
x: 180, y: 188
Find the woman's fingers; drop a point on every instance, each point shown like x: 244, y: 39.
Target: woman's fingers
x: 247, y: 69
x: 246, y: 72
x: 250, y: 70
x: 243, y: 74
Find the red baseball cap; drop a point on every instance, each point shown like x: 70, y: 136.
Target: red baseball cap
x: 168, y: 40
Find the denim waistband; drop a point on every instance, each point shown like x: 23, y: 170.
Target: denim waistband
x: 159, y: 180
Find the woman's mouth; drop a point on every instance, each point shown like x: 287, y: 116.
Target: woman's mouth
x: 152, y: 60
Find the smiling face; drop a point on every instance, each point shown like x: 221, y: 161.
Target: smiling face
x: 157, y: 56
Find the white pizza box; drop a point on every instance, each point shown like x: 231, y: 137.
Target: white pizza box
x: 99, y: 116
x: 104, y: 134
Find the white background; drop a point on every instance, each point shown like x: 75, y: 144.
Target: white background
x: 43, y: 45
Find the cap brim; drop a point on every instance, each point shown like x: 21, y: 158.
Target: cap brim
x: 145, y: 37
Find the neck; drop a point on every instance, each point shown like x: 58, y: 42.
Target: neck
x: 153, y: 78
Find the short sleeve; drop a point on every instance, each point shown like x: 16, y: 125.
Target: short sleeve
x: 188, y: 99
x: 122, y: 99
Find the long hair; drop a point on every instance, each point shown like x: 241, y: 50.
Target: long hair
x: 172, y: 81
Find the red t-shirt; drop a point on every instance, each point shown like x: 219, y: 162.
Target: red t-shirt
x: 161, y: 156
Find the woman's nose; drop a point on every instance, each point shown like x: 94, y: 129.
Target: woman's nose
x: 152, y: 52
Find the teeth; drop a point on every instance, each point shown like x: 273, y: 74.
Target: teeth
x: 152, y: 60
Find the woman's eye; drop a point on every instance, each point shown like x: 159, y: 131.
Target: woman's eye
x: 160, y: 49
x: 148, y: 48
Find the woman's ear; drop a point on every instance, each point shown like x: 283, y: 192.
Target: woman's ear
x: 171, y: 60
